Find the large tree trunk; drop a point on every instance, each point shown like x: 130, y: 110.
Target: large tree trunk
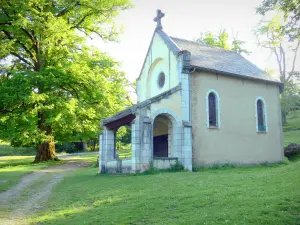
x: 46, y: 150
x: 283, y: 114
x: 283, y: 110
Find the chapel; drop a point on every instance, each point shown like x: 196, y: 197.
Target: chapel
x: 198, y: 105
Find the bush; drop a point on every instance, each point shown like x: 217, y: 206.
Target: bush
x: 177, y: 167
x: 66, y: 147
x: 292, y: 150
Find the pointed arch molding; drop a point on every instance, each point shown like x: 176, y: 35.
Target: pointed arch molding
x: 264, y: 113
x: 217, y: 105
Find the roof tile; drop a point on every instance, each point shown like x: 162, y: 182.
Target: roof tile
x: 217, y: 59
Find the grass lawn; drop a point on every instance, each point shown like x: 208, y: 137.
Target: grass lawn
x: 87, y: 158
x: 13, y: 168
x: 7, y: 150
x: 262, y: 195
x: 291, y: 130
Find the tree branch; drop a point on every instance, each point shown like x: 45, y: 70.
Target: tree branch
x: 66, y: 10
x: 278, y: 61
x: 82, y: 29
x: 32, y: 38
x: 283, y: 61
x: 294, y: 60
x: 21, y: 58
x: 8, y: 35
x: 82, y: 19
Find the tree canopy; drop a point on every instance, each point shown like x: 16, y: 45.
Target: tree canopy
x: 291, y: 11
x: 222, y: 40
x: 271, y: 35
x: 53, y: 86
x: 281, y: 35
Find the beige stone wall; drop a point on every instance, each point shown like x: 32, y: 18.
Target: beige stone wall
x: 237, y: 140
x: 173, y: 102
x: 159, y: 59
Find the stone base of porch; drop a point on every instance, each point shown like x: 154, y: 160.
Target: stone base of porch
x: 164, y: 162
x: 119, y: 166
x: 125, y: 165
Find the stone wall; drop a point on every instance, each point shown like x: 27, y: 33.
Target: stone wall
x: 164, y: 163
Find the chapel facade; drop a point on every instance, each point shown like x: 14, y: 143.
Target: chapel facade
x: 199, y: 105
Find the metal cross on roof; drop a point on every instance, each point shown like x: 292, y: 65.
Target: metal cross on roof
x: 157, y: 19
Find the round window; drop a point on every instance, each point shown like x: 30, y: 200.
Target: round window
x: 161, y: 80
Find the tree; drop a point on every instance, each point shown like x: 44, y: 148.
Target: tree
x: 53, y: 86
x: 123, y: 136
x: 221, y: 40
x: 291, y: 11
x: 290, y: 101
x: 273, y: 35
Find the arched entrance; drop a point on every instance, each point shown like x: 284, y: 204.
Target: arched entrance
x: 162, y: 136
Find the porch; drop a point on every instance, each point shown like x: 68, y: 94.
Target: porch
x: 158, y: 136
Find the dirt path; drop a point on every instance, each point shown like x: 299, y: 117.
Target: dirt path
x: 33, y: 191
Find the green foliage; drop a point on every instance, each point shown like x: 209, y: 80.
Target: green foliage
x: 66, y: 147
x: 8, y: 150
x: 93, y: 144
x: 123, y: 142
x: 294, y: 158
x: 123, y: 135
x: 222, y: 40
x: 272, y: 35
x: 52, y: 83
x: 290, y: 100
x: 285, y: 161
x: 291, y: 11
x: 177, y: 167
x: 126, y: 152
x: 291, y: 129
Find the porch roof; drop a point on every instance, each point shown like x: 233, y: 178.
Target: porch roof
x: 126, y: 116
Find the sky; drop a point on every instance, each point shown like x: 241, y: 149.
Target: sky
x: 184, y: 19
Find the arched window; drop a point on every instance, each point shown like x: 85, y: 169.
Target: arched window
x: 261, y: 118
x: 161, y: 80
x: 213, y: 109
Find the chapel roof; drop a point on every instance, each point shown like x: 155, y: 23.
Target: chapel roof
x: 205, y: 57
x: 214, y: 59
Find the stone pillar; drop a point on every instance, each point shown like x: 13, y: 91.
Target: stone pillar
x: 141, y: 142
x: 177, y: 141
x: 185, y: 86
x: 186, y: 111
x: 147, y: 144
x: 101, y: 166
x: 187, y: 153
x: 135, y: 143
x: 107, y: 148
